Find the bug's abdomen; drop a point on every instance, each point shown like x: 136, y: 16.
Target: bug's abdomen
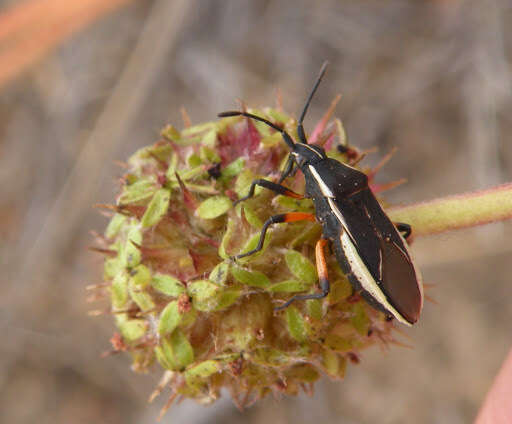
x: 377, y: 257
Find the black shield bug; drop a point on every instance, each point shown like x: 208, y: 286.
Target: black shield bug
x: 369, y: 248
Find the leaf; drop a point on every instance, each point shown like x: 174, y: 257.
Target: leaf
x: 214, y: 207
x: 250, y: 278
x: 244, y: 181
x: 314, y: 309
x: 173, y: 166
x: 338, y: 344
x: 233, y: 169
x: 157, y: 208
x: 360, y: 319
x: 112, y: 267
x: 194, y: 160
x: 167, y: 284
x: 301, y: 267
x: 182, y: 351
x: 130, y: 252
x: 226, y: 238
x: 226, y: 298
x: 250, y: 216
x: 277, y: 116
x: 139, y: 190
x: 330, y: 362
x: 289, y: 286
x: 195, y: 129
x: 164, y: 358
x: 141, y: 276
x: 252, y: 243
x: 340, y: 290
x: 175, y: 351
x: 203, y: 369
x: 115, y: 225
x: 304, y: 372
x: 170, y: 318
x: 209, y: 155
x: 295, y: 323
x: 219, y: 274
x: 171, y: 133
x: 132, y: 329
x: 204, y: 295
x: 186, y: 175
x: 143, y: 300
x: 119, y: 290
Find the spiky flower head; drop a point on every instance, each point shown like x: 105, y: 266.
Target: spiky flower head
x: 181, y: 303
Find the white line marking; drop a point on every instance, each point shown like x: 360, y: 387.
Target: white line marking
x: 338, y: 214
x: 359, y: 269
x: 326, y: 191
x: 313, y: 150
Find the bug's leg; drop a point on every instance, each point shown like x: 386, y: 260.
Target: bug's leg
x: 288, y: 169
x: 276, y: 219
x: 278, y: 188
x: 323, y: 278
x: 404, y: 228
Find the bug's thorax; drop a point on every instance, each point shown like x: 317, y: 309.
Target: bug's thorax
x: 329, y: 178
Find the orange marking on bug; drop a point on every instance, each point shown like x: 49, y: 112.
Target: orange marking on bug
x: 290, y: 193
x: 321, y: 263
x: 298, y: 216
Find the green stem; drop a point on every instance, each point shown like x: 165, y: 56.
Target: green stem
x: 454, y: 212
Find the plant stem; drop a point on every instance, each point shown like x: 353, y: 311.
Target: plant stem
x: 454, y: 212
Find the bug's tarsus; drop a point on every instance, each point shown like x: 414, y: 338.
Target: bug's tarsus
x: 300, y: 127
x: 325, y: 291
x: 404, y: 228
x: 276, y: 219
x: 323, y: 277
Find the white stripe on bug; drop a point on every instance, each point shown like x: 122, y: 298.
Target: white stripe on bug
x: 326, y: 191
x: 313, y: 150
x: 368, y: 283
x: 359, y: 269
x: 336, y: 211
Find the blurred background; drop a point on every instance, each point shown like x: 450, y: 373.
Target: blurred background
x: 86, y: 82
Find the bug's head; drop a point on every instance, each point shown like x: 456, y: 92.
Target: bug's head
x: 307, y: 154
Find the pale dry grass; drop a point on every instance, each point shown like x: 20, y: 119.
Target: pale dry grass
x: 32, y: 29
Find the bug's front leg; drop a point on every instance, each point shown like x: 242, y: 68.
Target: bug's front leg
x: 276, y: 219
x: 277, y: 188
x: 289, y: 169
x: 323, y: 277
x: 405, y: 229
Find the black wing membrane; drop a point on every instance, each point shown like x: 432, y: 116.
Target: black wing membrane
x: 384, y: 252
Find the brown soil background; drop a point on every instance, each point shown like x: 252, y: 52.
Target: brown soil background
x: 432, y: 78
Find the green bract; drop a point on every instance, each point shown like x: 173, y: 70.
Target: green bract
x: 181, y: 301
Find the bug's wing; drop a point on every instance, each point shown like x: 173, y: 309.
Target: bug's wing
x: 378, y: 256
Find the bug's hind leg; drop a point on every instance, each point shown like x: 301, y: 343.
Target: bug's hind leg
x: 323, y: 277
x: 404, y: 228
x: 277, y: 188
x: 276, y: 219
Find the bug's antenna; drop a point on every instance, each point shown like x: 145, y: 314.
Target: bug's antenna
x: 300, y: 128
x: 285, y: 135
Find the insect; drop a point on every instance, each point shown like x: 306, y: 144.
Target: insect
x: 369, y: 248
